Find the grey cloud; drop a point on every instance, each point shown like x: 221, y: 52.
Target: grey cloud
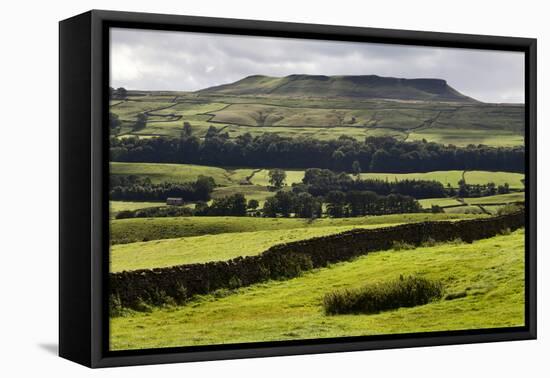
x: 160, y: 60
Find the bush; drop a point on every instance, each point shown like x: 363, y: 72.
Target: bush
x: 371, y: 299
x: 401, y: 245
x: 152, y: 212
x: 510, y: 209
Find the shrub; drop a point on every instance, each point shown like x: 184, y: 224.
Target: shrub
x: 429, y: 242
x: 509, y: 209
x: 505, y: 231
x: 401, y: 245
x: 371, y: 299
x: 115, y: 306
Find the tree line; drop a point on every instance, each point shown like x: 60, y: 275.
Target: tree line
x: 373, y: 154
x: 319, y: 182
x: 134, y: 188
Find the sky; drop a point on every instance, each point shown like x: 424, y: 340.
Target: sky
x: 183, y: 61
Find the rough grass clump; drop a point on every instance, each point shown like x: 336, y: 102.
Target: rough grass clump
x: 371, y: 299
x: 399, y: 245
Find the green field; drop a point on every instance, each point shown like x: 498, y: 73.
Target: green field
x: 457, y: 123
x: 465, y: 137
x: 497, y: 199
x: 488, y: 272
x: 200, y: 249
x: 452, y: 177
x: 488, y: 200
x: 178, y: 173
x: 146, y: 229
x: 161, y: 172
x: 118, y: 206
x: 442, y: 202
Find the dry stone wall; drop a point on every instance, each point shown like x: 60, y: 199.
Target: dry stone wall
x: 178, y: 283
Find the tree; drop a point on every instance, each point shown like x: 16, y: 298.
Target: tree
x: 121, y: 93
x: 503, y: 189
x: 270, y: 208
x: 336, y: 201
x: 186, y: 132
x: 277, y: 178
x: 462, y: 188
x: 253, y: 204
x: 114, y: 123
x: 356, y: 169
x: 284, y: 203
x: 141, y: 122
x: 204, y: 186
x: 307, y: 206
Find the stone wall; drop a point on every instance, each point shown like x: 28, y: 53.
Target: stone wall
x: 178, y: 283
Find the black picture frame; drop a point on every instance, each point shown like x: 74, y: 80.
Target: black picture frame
x: 83, y: 180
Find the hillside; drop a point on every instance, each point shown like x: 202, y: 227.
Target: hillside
x: 358, y: 87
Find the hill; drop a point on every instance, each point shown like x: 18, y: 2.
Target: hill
x: 360, y: 86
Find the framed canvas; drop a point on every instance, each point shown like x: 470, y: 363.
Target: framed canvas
x: 235, y: 188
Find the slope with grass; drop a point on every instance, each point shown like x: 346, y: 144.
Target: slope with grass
x: 486, y: 278
x: 324, y: 107
x: 118, y: 206
x: 163, y: 172
x: 179, y: 173
x: 147, y: 229
x: 359, y: 86
x: 200, y: 249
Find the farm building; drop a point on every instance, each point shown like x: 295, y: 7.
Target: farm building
x: 174, y: 201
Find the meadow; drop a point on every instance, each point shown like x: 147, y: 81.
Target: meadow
x: 483, y: 281
x: 148, y: 229
x: 486, y: 278
x: 323, y: 118
x: 177, y: 173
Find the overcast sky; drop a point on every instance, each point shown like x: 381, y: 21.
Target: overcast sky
x: 161, y: 60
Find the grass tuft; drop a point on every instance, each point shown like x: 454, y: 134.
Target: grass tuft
x: 371, y: 299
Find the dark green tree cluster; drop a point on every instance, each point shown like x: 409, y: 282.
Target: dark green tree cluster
x: 374, y: 154
x: 361, y: 203
x: 319, y: 182
x: 480, y: 190
x: 156, y: 212
x: 141, y: 122
x: 134, y: 188
x: 118, y: 94
x: 338, y: 204
x: 234, y: 205
x: 114, y: 123
x: 302, y: 205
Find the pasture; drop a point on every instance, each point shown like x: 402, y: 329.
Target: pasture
x: 147, y: 229
x: 322, y: 118
x: 177, y: 173
x: 118, y: 206
x: 486, y: 275
x: 204, y: 248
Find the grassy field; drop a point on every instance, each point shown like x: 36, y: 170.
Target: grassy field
x: 489, y: 200
x: 118, y: 206
x: 323, y: 118
x: 499, y: 198
x: 199, y: 249
x: 442, y: 202
x: 488, y: 273
x: 147, y: 229
x: 452, y: 177
x: 159, y: 172
x: 464, y: 137
x: 178, y: 173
